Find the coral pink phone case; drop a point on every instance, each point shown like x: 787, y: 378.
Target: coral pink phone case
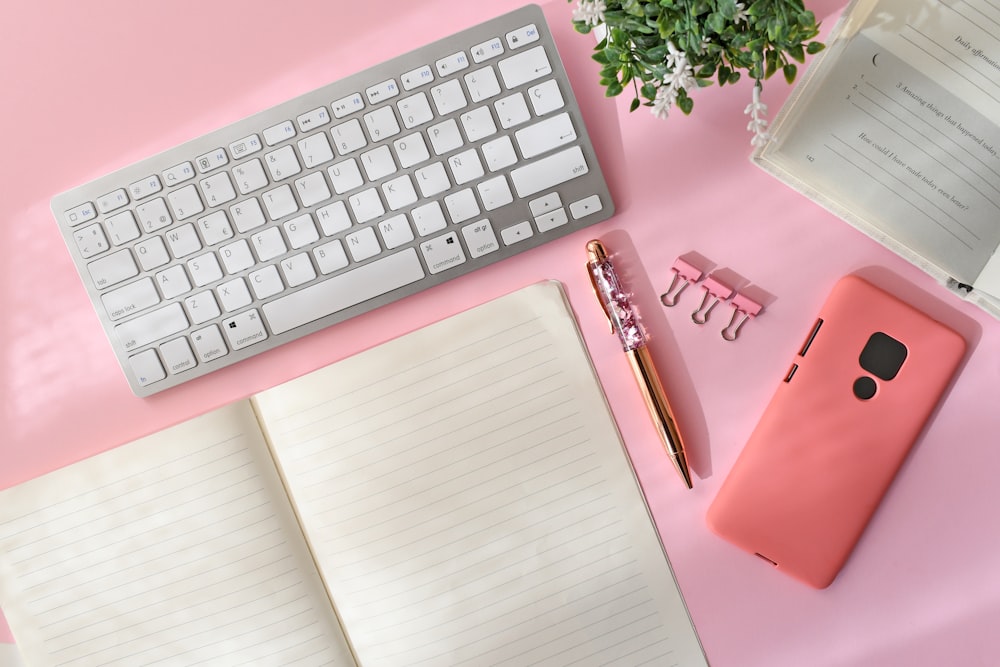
x: 836, y: 431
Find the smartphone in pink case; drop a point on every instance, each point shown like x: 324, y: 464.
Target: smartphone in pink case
x: 852, y: 404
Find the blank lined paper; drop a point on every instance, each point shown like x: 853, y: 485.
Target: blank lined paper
x: 468, y: 500
x: 178, y: 549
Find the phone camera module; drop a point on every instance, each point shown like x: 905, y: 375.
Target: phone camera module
x: 882, y: 356
x: 865, y: 387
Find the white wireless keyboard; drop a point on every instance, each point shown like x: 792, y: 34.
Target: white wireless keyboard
x: 423, y: 168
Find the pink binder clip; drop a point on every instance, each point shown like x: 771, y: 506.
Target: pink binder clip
x: 684, y: 275
x: 715, y: 291
x: 742, y: 305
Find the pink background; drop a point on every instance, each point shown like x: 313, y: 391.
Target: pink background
x: 89, y: 87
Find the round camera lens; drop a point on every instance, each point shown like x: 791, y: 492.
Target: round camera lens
x: 864, y: 388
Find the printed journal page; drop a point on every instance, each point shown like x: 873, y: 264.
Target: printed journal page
x: 469, y: 502
x: 177, y: 549
x: 898, y: 128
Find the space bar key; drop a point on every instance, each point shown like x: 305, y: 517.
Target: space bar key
x: 343, y: 291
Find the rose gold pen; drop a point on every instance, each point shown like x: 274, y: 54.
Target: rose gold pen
x: 623, y: 321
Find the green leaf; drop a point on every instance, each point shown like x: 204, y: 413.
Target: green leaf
x: 797, y: 53
x: 635, y: 105
x: 685, y: 103
x: 648, y: 91
x: 601, y: 57
x: 789, y: 71
x: 614, y: 89
x: 815, y: 47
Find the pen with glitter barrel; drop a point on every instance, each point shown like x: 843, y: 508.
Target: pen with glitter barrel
x: 622, y: 318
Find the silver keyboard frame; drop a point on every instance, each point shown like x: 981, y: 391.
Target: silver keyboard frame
x: 591, y: 183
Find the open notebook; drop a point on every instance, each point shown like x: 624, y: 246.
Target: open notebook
x: 457, y: 496
x: 896, y: 128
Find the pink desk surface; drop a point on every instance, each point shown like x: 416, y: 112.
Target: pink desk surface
x: 89, y: 87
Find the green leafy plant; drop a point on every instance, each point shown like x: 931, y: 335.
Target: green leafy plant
x: 665, y: 49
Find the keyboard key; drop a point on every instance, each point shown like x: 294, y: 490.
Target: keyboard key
x: 275, y: 134
x: 183, y: 241
x: 146, y: 367
x: 366, y: 205
x: 494, y: 193
x: 432, y: 179
x: 417, y: 77
x: 586, y: 206
x: 545, y: 204
x: 297, y: 269
x: 178, y: 173
x: 234, y: 294
x: 204, y: 270
x: 549, y: 221
x: 315, y: 150
x: 343, y: 291
x: 215, y: 228
x: 545, y: 97
x: 153, y: 215
x: 445, y: 137
x: 265, y: 282
x: 218, y: 189
x: 347, y: 105
x: 478, y: 124
x: 382, y: 91
x: 414, y: 110
x: 173, y: 281
x: 428, y: 218
x: 465, y: 166
x: 362, y: 244
x: 249, y: 176
x: 381, y: 124
x: 185, y: 202
x: 399, y: 192
x: 80, y: 214
x: 333, y: 218
x: 549, y: 172
x: 516, y: 233
x: 522, y: 36
x: 301, y: 231
x: 310, y: 120
x: 122, y: 227
x: 145, y: 187
x: 330, y: 257
x: 247, y: 215
x: 448, y: 97
x: 512, y: 111
x: 268, y: 244
x: 450, y: 64
x: 177, y: 355
x: 482, y: 84
x: 245, y: 146
x: 491, y: 48
x: 282, y: 163
x: 208, y: 343
x: 113, y: 269
x: 131, y: 298
x: 312, y: 189
x: 151, y: 253
x: 280, y: 202
x: 499, y: 153
x: 201, y: 307
x: 442, y: 253
x: 244, y: 329
x: 411, y: 150
x: 91, y: 241
x: 378, y: 163
x: 348, y: 137
x: 152, y: 326
x: 395, y: 231
x: 526, y: 66
x: 212, y: 160
x: 545, y: 135
x: 112, y: 201
x: 236, y: 257
x: 345, y: 176
x: 480, y: 239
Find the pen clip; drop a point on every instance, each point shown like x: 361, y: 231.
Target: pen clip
x: 597, y: 257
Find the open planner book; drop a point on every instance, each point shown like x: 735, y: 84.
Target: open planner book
x: 457, y: 496
x: 896, y: 128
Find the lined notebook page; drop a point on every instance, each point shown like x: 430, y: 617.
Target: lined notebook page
x: 178, y: 549
x: 468, y: 500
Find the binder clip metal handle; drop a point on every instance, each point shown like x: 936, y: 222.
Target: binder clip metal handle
x: 684, y: 275
x: 742, y: 305
x: 715, y: 291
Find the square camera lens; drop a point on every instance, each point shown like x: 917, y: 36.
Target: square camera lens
x: 883, y: 356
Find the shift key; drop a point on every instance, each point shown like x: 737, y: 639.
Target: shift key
x: 152, y: 326
x: 549, y: 171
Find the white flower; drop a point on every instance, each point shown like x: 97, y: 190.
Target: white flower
x: 675, y: 57
x: 661, y: 103
x: 758, y: 124
x: 590, y: 12
x: 741, y: 14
